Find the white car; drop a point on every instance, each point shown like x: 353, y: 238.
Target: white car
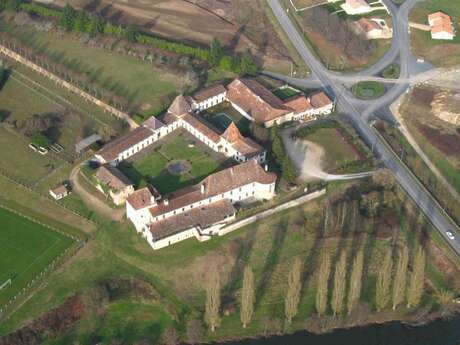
x: 450, y: 235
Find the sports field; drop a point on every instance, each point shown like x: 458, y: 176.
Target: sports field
x: 27, y: 248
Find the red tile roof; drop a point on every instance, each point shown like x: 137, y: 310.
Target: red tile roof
x: 256, y: 100
x: 180, y: 106
x: 202, y: 127
x: 319, y: 100
x: 111, y: 150
x: 215, y: 184
x: 153, y: 123
x: 441, y: 22
x: 209, y: 92
x: 112, y: 177
x: 246, y: 146
x: 299, y: 103
x: 202, y: 216
x: 140, y: 198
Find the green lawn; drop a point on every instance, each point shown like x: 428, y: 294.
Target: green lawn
x: 152, y: 167
x: 221, y: 115
x: 368, y: 89
x: 27, y: 249
x: 139, y: 81
x: 285, y: 93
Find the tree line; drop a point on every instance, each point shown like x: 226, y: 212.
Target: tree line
x: 71, y: 19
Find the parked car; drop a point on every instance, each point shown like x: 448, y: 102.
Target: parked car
x: 450, y: 235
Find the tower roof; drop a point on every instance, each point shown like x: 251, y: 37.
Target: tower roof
x: 232, y: 133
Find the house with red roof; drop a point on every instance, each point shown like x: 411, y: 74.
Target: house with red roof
x: 441, y: 25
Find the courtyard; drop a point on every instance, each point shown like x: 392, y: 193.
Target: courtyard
x: 174, y: 162
x: 222, y: 115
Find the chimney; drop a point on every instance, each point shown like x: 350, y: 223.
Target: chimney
x: 203, y: 188
x: 166, y: 202
x: 152, y: 200
x: 266, y: 167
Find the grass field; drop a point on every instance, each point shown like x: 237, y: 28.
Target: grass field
x: 285, y: 93
x: 152, y: 167
x: 439, y: 52
x: 139, y: 81
x: 179, y: 272
x: 368, y: 89
x: 27, y: 249
x: 221, y: 115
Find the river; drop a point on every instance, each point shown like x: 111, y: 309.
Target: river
x: 439, y: 332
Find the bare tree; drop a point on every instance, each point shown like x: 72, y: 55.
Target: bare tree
x: 399, y: 287
x: 170, y: 337
x: 194, y: 331
x: 338, y: 294
x: 247, y: 297
x: 383, y: 284
x: 292, y: 299
x: 356, y: 281
x: 212, y: 317
x: 415, y: 290
x: 323, y: 279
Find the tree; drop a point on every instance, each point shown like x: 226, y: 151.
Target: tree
x: 323, y: 279
x: 215, y: 52
x: 96, y: 26
x: 338, y: 293
x: 383, y: 284
x: 291, y: 301
x: 194, y: 331
x: 212, y: 317
x: 415, y: 290
x: 247, y: 64
x: 131, y: 34
x: 399, y: 287
x: 356, y: 281
x: 247, y: 297
x: 68, y: 18
x: 170, y: 337
x: 82, y: 22
x: 445, y: 299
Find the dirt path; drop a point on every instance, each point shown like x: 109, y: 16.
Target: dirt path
x: 308, y: 158
x: 92, y: 201
x: 403, y: 129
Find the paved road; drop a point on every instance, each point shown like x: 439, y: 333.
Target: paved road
x: 361, y: 112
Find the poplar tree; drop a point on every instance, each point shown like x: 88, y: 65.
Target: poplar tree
x: 338, y: 294
x: 399, y: 287
x: 322, y: 287
x: 292, y: 299
x: 383, y: 284
x: 415, y: 291
x: 356, y: 281
x: 212, y: 317
x: 247, y: 297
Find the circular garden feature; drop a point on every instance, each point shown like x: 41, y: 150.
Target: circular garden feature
x: 368, y: 89
x: 178, y: 167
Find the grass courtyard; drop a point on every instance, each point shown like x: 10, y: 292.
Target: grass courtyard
x: 368, y: 89
x: 27, y: 249
x: 152, y: 166
x: 221, y: 115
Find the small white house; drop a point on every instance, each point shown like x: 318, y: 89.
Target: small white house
x: 441, y: 26
x: 59, y: 192
x: 354, y: 7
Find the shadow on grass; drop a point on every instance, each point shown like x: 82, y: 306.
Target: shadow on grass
x: 272, y: 260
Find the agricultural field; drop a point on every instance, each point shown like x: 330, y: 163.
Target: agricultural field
x: 169, y: 284
x: 156, y: 166
x: 239, y: 24
x: 28, y: 248
x: 144, y: 85
x: 439, y: 139
x: 327, y: 38
x: 21, y: 99
x: 439, y: 52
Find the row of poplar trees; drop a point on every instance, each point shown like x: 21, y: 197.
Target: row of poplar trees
x: 395, y: 285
